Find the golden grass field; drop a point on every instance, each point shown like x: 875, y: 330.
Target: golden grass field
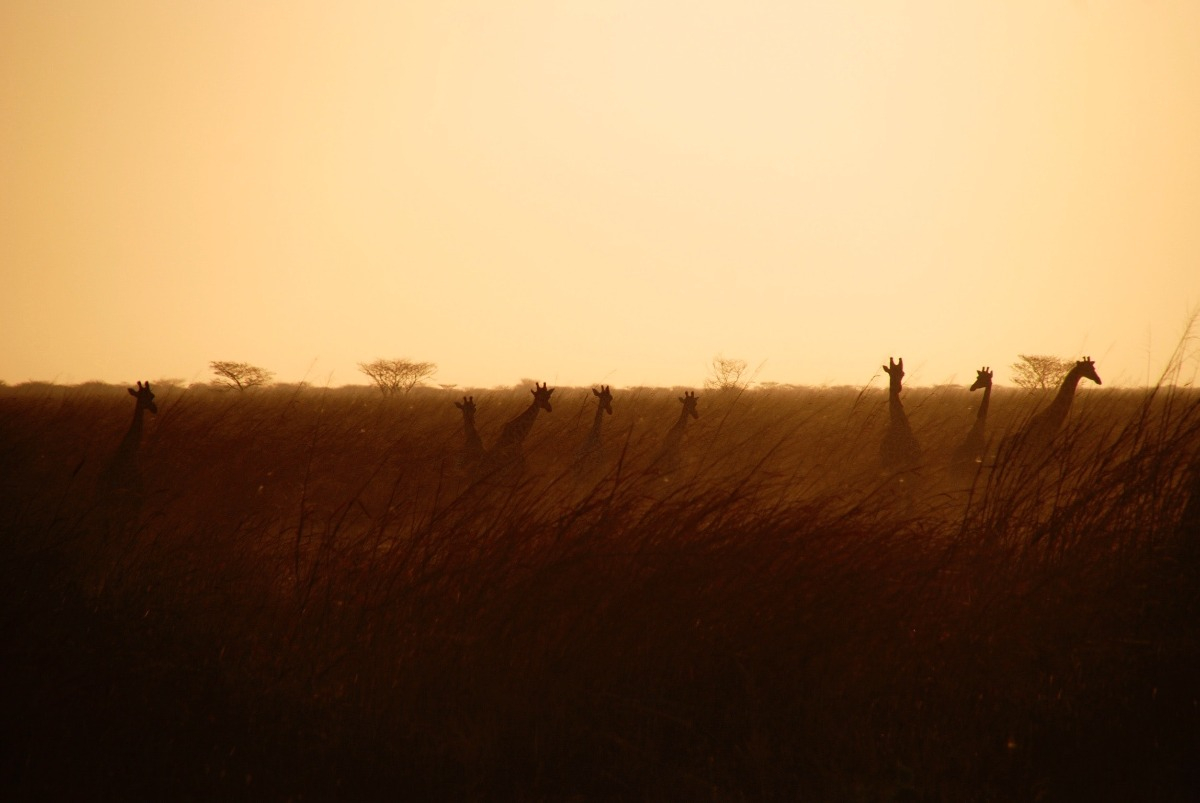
x: 311, y: 600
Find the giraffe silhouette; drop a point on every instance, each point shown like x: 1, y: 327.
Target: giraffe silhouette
x: 122, y: 475
x: 506, y: 453
x: 588, y: 458
x: 1043, y: 427
x: 472, y: 450
x: 668, y: 459
x: 970, y: 452
x: 899, y: 450
x: 1189, y: 520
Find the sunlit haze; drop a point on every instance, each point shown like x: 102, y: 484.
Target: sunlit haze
x: 596, y: 191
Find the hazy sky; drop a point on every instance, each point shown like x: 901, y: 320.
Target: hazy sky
x: 596, y: 191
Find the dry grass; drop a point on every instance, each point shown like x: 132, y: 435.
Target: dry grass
x: 313, y: 602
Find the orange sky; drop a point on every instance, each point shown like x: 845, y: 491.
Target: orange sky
x: 585, y: 192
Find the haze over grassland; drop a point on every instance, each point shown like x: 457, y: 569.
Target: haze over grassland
x: 604, y: 193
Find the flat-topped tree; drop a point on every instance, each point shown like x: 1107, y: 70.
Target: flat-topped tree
x: 1039, y: 371
x: 240, y: 375
x: 393, y: 376
x: 726, y: 373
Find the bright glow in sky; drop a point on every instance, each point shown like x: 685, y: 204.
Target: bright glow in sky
x: 596, y: 191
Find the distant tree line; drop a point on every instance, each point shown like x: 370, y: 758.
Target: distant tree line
x: 391, y: 376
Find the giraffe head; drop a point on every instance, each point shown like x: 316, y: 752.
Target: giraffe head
x: 145, y: 399
x: 1087, y: 368
x: 688, y: 400
x: 467, y: 405
x: 895, y: 371
x: 541, y: 396
x: 983, y: 378
x: 605, y: 397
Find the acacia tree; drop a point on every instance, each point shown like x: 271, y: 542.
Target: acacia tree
x: 1039, y: 371
x: 726, y: 373
x: 393, y: 375
x: 239, y: 375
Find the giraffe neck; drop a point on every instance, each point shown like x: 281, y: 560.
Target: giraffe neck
x: 517, y: 430
x: 983, y: 406
x: 977, y: 429
x: 1056, y: 413
x: 473, y: 438
x: 133, y: 437
x: 122, y: 472
x: 896, y: 407
x: 676, y: 433
x: 899, y: 448
x: 597, y: 422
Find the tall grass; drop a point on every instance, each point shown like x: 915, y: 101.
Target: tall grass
x: 312, y: 601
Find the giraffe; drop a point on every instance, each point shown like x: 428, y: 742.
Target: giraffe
x: 1187, y: 529
x: 472, y: 450
x: 970, y: 452
x: 506, y: 451
x: 1042, y: 428
x: 122, y: 475
x: 1189, y: 521
x: 667, y: 461
x: 899, y: 450
x: 588, y: 457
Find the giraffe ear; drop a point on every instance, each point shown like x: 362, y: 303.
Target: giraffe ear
x: 595, y: 392
x: 131, y: 391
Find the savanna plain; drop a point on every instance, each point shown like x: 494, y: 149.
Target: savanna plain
x: 311, y: 598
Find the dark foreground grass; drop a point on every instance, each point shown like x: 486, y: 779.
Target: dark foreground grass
x: 311, y: 601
